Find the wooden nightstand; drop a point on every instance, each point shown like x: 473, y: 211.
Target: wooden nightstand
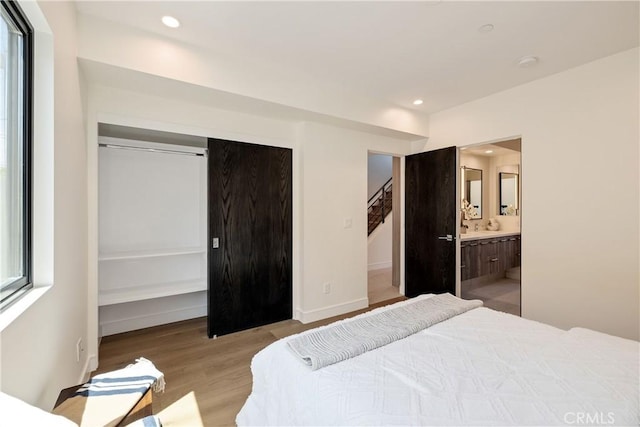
x: 141, y: 409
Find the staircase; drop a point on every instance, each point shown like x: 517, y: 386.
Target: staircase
x: 379, y: 206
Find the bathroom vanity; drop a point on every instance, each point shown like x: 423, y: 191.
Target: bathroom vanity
x: 488, y: 252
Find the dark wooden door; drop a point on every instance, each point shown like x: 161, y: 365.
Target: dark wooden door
x: 250, y: 215
x: 430, y: 215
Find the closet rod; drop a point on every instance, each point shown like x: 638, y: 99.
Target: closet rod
x: 154, y: 150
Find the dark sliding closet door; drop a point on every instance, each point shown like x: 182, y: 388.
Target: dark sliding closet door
x: 250, y: 202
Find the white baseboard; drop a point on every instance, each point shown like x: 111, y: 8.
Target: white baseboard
x: 332, y: 310
x: 379, y: 265
x: 153, y: 319
x: 90, y: 365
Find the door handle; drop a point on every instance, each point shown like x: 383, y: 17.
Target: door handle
x: 448, y: 238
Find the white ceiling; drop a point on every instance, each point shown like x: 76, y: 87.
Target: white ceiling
x: 481, y: 150
x: 396, y: 51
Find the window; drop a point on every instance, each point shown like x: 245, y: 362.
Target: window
x: 15, y: 152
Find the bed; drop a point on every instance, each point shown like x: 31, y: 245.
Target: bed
x: 481, y: 367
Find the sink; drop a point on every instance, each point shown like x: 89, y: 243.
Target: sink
x: 485, y: 233
x: 480, y: 233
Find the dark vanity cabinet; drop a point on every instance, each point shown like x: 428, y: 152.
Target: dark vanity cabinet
x: 481, y: 257
x: 469, y: 261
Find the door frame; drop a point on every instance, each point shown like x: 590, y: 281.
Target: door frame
x: 459, y: 201
x: 398, y: 226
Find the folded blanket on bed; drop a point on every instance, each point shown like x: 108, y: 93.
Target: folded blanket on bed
x: 107, y: 398
x: 353, y: 337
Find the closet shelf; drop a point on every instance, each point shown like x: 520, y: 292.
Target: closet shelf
x: 119, y: 256
x: 137, y: 293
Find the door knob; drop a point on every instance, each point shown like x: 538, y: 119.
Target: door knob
x: 448, y: 238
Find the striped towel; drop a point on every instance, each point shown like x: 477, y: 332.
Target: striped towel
x: 107, y: 398
x: 352, y: 337
x: 150, y: 421
x: 135, y: 378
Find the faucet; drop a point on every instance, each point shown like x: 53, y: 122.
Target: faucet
x: 475, y: 227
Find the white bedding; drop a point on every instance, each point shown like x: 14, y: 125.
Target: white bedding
x: 482, y: 367
x: 15, y: 413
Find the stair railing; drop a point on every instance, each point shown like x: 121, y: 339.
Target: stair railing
x: 380, y: 196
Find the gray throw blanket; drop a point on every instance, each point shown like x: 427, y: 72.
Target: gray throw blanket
x: 353, y: 337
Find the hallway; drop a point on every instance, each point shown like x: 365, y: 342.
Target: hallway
x: 380, y: 288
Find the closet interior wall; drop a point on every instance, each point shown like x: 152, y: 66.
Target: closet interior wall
x: 152, y: 263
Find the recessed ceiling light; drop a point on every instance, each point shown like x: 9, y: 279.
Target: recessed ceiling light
x: 486, y: 28
x: 527, y: 61
x: 488, y: 151
x: 170, y: 21
x: 417, y: 102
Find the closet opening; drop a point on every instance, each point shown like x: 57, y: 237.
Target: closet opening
x: 152, y: 228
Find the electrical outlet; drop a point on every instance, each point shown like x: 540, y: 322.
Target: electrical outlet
x: 79, y: 349
x: 326, y: 288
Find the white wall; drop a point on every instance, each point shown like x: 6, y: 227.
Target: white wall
x: 39, y: 347
x: 324, y: 250
x: 129, y: 316
x: 579, y: 230
x: 379, y: 246
x: 331, y: 252
x: 380, y: 169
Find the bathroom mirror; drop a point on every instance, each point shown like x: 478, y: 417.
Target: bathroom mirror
x: 508, y: 203
x: 473, y: 189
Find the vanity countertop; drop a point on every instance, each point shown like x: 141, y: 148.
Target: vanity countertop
x: 486, y: 234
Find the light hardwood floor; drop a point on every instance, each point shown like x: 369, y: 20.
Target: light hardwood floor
x: 216, y: 372
x: 380, y: 287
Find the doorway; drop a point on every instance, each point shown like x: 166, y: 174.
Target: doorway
x: 490, y: 239
x: 383, y: 211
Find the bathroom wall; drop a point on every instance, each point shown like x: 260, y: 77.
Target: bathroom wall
x: 491, y: 167
x: 506, y: 163
x: 482, y: 163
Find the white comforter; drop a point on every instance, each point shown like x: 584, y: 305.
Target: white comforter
x: 479, y: 368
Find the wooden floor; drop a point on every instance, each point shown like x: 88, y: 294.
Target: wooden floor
x: 379, y: 287
x: 217, y: 372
